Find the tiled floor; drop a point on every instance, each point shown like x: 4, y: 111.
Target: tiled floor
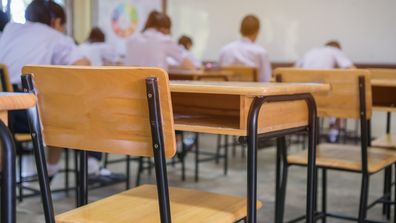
x: 343, y: 188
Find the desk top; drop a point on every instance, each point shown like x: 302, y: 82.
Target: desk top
x: 200, y: 72
x: 16, y: 101
x: 383, y: 82
x: 246, y: 88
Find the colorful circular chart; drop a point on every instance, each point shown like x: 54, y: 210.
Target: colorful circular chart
x: 124, y: 20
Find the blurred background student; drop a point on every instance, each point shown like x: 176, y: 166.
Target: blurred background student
x: 329, y: 56
x: 186, y: 43
x: 97, y: 50
x: 154, y: 45
x: 4, y: 19
x: 246, y: 51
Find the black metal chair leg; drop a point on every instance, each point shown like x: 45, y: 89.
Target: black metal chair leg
x: 234, y: 146
x: 106, y: 160
x: 8, y: 191
x: 363, y: 198
x: 20, y: 185
x: 197, y: 158
x: 67, y: 169
x: 128, y: 172
x: 394, y: 199
x: 324, y: 195
x: 278, y: 179
x: 139, y: 172
x: 226, y: 155
x: 83, y: 178
x: 218, y: 149
x: 389, y: 206
x: 76, y: 175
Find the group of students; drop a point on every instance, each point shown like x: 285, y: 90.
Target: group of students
x: 41, y: 40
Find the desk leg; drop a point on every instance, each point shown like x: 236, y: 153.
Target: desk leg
x: 281, y: 178
x: 8, y: 192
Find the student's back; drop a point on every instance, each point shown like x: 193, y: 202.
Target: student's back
x: 34, y: 43
x: 329, y: 56
x: 151, y: 48
x: 246, y: 52
x: 154, y: 45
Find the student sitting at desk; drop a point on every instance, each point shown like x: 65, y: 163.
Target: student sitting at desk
x: 154, y: 45
x: 246, y: 52
x: 39, y: 41
x: 97, y: 50
x: 329, y: 56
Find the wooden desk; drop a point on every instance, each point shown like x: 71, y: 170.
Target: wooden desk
x: 384, y: 94
x: 10, y: 101
x: 232, y: 108
x: 212, y: 75
x: 223, y: 107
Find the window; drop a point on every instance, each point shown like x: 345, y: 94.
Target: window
x: 18, y: 9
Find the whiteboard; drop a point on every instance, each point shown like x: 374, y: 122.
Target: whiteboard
x: 365, y: 28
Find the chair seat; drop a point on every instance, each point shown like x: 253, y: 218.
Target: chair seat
x: 386, y: 141
x: 141, y: 205
x: 346, y: 157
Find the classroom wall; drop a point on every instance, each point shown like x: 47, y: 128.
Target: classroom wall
x: 290, y: 28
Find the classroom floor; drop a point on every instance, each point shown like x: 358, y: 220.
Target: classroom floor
x: 343, y: 188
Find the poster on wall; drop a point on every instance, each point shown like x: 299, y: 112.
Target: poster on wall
x: 121, y: 19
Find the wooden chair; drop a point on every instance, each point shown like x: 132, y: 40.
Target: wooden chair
x: 350, y: 97
x: 10, y: 101
x: 117, y: 110
x: 384, y: 100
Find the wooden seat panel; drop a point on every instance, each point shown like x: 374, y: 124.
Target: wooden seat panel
x: 346, y: 157
x: 141, y: 205
x: 386, y: 141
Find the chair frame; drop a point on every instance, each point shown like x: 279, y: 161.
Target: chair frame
x: 365, y: 143
x: 158, y: 150
x: 8, y: 191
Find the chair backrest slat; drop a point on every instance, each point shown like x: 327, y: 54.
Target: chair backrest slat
x: 5, y: 82
x: 342, y: 101
x: 242, y: 73
x: 101, y: 109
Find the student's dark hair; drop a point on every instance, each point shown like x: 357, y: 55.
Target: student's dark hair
x: 57, y: 11
x: 185, y: 40
x: 96, y: 36
x: 43, y: 11
x: 38, y: 11
x: 157, y: 20
x: 3, y: 20
x: 250, y: 25
x: 334, y: 43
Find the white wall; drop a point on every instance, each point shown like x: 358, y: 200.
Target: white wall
x: 365, y: 28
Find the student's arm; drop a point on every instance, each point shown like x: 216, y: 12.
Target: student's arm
x: 67, y: 53
x: 343, y: 61
x: 179, y: 54
x: 82, y: 62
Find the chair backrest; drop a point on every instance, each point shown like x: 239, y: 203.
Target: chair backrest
x: 343, y: 99
x: 101, y: 109
x: 242, y: 73
x: 5, y: 83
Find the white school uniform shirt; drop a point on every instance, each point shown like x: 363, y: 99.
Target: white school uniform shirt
x: 247, y: 53
x: 35, y: 43
x: 325, y: 57
x: 152, y: 48
x: 194, y: 60
x: 97, y: 53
